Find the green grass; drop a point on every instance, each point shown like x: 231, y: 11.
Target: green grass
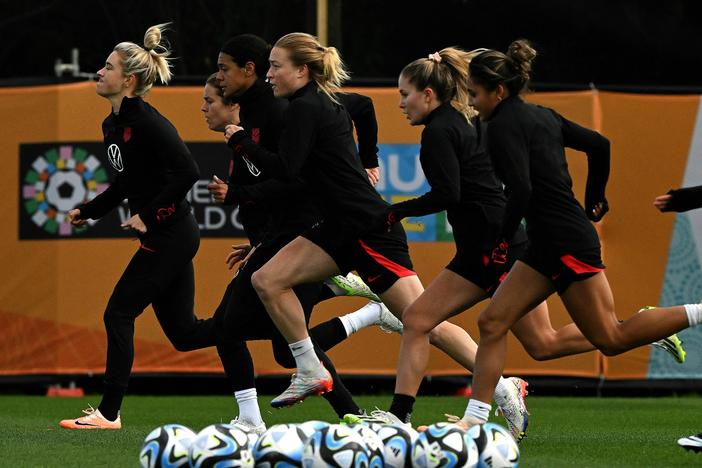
x: 572, y: 432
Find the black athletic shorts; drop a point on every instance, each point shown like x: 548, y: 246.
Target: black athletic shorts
x: 379, y: 258
x: 476, y: 267
x: 563, y: 268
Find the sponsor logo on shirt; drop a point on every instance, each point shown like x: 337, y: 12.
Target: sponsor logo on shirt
x: 252, y: 168
x: 114, y: 155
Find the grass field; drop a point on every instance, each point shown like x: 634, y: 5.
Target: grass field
x: 573, y: 432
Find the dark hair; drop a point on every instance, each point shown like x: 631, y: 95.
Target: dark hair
x: 446, y: 72
x: 214, y: 82
x: 513, y: 69
x: 248, y: 48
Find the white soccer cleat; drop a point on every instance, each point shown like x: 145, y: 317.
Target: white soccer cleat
x: 246, y: 426
x: 515, y: 410
x: 693, y: 442
x: 377, y: 416
x: 302, y: 386
x: 350, y: 285
x: 387, y: 320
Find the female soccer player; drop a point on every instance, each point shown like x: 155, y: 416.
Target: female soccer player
x: 154, y: 171
x: 526, y: 143
x: 681, y: 200
x: 317, y: 146
x: 433, y: 93
x: 277, y: 212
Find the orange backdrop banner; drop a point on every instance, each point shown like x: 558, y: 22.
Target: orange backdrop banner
x: 54, y: 283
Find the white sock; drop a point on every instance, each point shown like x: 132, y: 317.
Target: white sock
x: 248, y: 406
x: 363, y: 317
x: 305, y: 357
x: 694, y: 314
x: 477, y: 409
x: 501, y: 391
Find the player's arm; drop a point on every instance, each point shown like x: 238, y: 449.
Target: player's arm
x: 680, y: 200
x: 597, y: 149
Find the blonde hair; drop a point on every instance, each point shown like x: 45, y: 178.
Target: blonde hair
x: 324, y: 63
x: 147, y: 63
x: 446, y: 72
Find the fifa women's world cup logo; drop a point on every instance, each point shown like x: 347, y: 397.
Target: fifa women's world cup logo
x: 58, y: 181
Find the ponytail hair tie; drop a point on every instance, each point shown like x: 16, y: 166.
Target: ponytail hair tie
x: 435, y: 57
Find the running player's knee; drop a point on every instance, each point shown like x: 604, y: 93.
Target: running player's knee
x: 114, y: 315
x: 439, y: 333
x: 413, y: 321
x: 491, y: 326
x: 261, y: 281
x: 608, y: 346
x: 540, y: 347
x: 608, y: 341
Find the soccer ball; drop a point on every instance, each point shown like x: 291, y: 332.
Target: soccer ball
x: 166, y: 446
x: 444, y: 444
x: 310, y: 427
x: 496, y: 446
x: 397, y: 442
x: 335, y: 446
x: 222, y: 443
x: 279, y: 446
x: 376, y: 453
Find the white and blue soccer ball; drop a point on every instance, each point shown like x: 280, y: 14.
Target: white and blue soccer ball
x: 166, y: 446
x: 376, y: 449
x: 335, y: 446
x: 444, y: 444
x: 496, y: 446
x: 397, y: 442
x: 222, y: 445
x: 280, y: 447
x: 310, y: 427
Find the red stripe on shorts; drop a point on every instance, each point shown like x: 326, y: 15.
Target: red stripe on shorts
x: 578, y: 266
x: 399, y: 270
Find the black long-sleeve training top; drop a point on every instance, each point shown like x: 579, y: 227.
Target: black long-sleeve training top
x: 362, y: 113
x: 685, y: 199
x: 526, y: 143
x: 462, y: 181
x: 274, y: 208
x: 261, y: 115
x: 317, y: 146
x: 153, y: 168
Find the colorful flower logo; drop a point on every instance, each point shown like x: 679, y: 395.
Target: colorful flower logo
x: 58, y: 181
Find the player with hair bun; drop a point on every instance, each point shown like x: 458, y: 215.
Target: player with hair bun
x: 527, y: 145
x: 153, y: 170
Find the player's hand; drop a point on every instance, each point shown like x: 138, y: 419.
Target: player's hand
x: 662, y: 202
x: 597, y: 211
x: 499, y: 253
x: 230, y: 130
x: 373, y: 175
x: 218, y: 189
x: 134, y: 223
x: 238, y: 254
x: 74, y: 218
x: 391, y: 219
